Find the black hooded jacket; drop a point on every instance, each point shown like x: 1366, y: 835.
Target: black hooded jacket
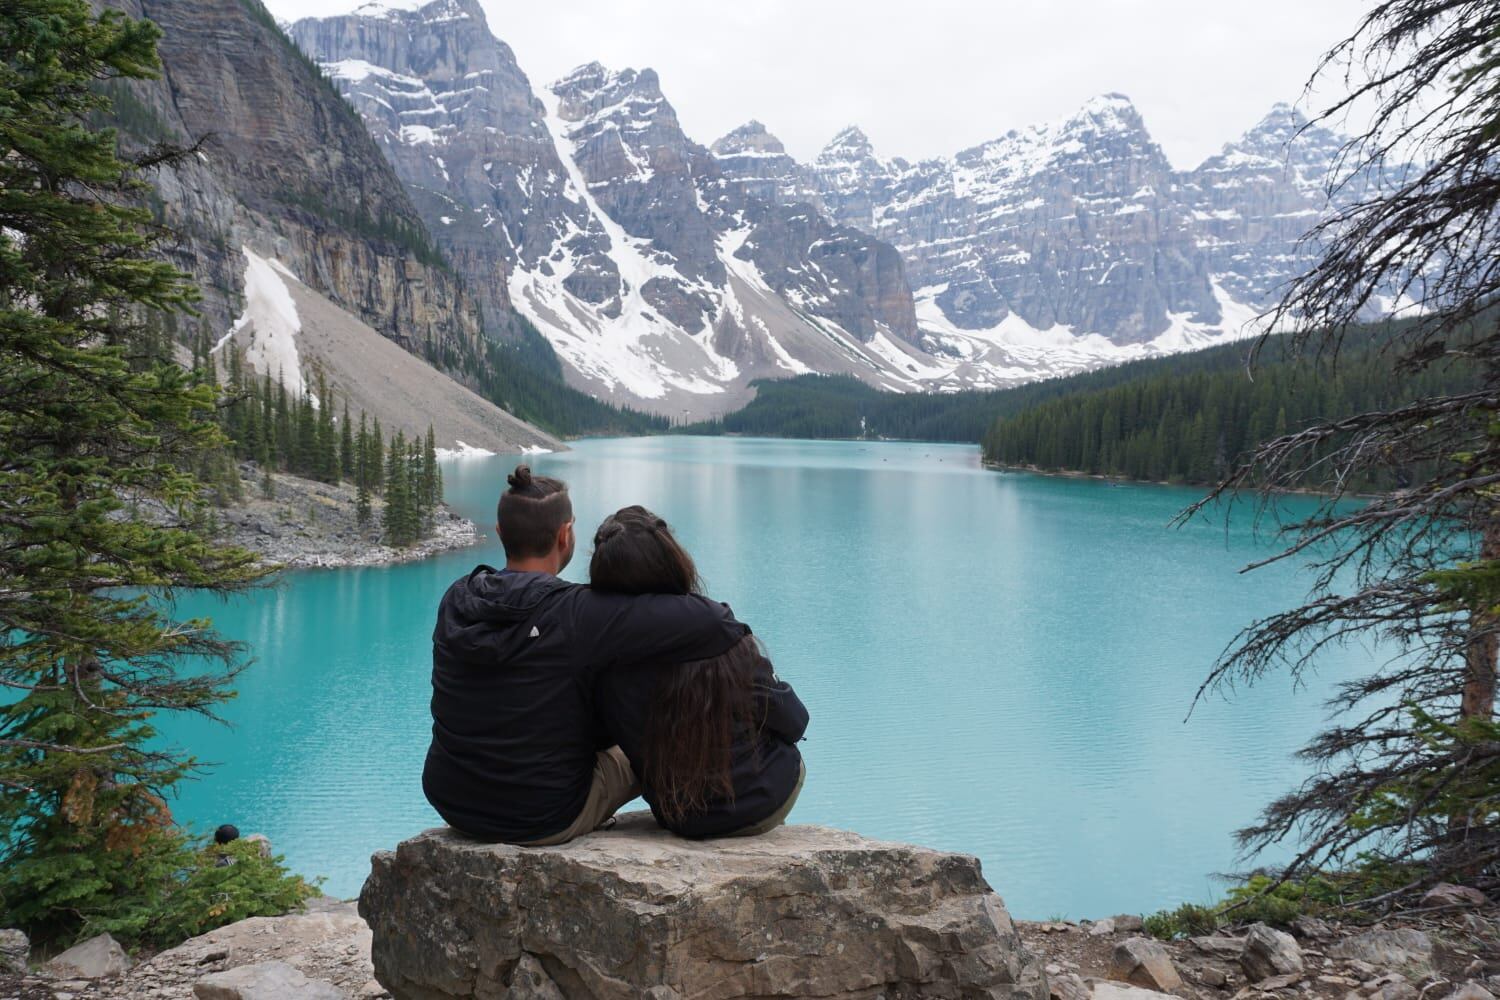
x: 764, y: 761
x: 514, y: 660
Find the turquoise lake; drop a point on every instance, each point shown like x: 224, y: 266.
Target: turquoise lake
x: 999, y: 664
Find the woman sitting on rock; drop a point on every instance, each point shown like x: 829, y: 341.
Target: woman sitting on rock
x: 714, y: 742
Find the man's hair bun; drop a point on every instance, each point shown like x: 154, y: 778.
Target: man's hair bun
x: 520, y: 480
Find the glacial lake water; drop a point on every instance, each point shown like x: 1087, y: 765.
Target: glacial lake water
x: 1000, y: 664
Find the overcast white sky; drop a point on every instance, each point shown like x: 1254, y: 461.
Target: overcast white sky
x: 930, y: 77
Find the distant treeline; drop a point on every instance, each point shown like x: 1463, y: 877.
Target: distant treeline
x: 841, y: 406
x: 1180, y: 418
x: 1170, y: 424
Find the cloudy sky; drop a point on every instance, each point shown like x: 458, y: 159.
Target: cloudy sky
x: 930, y: 77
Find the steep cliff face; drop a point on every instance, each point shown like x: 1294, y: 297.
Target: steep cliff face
x: 755, y: 163
x: 1073, y: 244
x: 589, y: 210
x: 287, y: 169
x: 1253, y: 203
x: 452, y: 111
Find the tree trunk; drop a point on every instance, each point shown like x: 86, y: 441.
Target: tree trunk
x: 1479, y: 677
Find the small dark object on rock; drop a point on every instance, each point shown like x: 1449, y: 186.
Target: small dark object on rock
x: 226, y: 833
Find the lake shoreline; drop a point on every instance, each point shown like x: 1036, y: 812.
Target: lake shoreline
x: 1131, y: 481
x: 306, y: 524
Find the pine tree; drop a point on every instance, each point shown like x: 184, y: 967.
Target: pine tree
x: 430, y: 480
x: 376, y: 457
x: 362, y: 473
x: 305, y: 462
x: 92, y: 409
x: 346, y: 446
x: 396, y: 523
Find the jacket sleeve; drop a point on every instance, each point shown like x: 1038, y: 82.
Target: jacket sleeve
x: 655, y: 628
x: 785, y: 715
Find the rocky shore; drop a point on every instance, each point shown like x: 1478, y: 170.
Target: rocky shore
x: 325, y: 954
x: 308, y: 524
x: 801, y: 912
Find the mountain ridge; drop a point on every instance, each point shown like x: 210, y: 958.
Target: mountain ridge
x: 671, y: 275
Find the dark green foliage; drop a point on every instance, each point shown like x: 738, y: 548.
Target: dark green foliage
x: 363, y: 484
x: 173, y: 889
x: 1191, y: 426
x: 400, y: 520
x: 214, y: 885
x: 843, y: 407
x: 346, y: 445
x: 94, y: 415
x: 1265, y: 899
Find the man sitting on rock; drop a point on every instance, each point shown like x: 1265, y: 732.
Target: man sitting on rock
x: 517, y: 754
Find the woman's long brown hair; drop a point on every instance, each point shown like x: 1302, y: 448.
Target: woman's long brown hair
x: 697, y: 707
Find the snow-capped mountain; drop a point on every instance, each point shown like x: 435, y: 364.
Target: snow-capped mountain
x: 585, y: 208
x: 669, y: 275
x: 1253, y: 201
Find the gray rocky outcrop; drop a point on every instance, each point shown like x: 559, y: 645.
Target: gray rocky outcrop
x: 1387, y: 948
x: 1108, y: 990
x: 264, y: 981
x: 1268, y: 953
x: 1144, y: 962
x: 288, y: 170
x: 15, y: 950
x: 803, y: 911
x: 99, y: 957
x: 1448, y: 894
x: 586, y: 206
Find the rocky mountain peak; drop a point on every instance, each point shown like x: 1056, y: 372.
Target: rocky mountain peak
x: 848, y: 146
x: 427, y: 10
x: 751, y: 137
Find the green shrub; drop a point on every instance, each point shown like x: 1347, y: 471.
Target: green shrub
x: 1261, y: 900
x: 225, y: 883
x: 156, y: 890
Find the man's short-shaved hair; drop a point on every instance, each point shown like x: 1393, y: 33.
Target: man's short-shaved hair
x: 531, y: 513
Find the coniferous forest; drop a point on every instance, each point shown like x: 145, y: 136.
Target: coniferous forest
x: 1181, y: 418
x: 300, y: 434
x: 1189, y: 426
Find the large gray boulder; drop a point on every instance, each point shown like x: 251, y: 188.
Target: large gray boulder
x: 634, y: 912
x: 1268, y: 953
x: 1388, y: 948
x: 15, y: 950
x: 1144, y: 962
x: 99, y: 957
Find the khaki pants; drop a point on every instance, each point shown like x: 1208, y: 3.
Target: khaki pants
x: 778, y: 817
x: 614, y: 785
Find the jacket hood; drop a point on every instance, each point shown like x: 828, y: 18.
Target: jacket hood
x: 498, y: 597
x: 479, y: 612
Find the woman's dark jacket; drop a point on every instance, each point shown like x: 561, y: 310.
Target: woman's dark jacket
x: 765, y: 762
x: 514, y: 662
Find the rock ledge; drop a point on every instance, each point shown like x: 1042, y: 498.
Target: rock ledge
x: 803, y: 911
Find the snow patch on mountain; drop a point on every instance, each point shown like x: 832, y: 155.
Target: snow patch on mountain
x: 271, y: 318
x: 634, y: 349
x: 1013, y: 351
